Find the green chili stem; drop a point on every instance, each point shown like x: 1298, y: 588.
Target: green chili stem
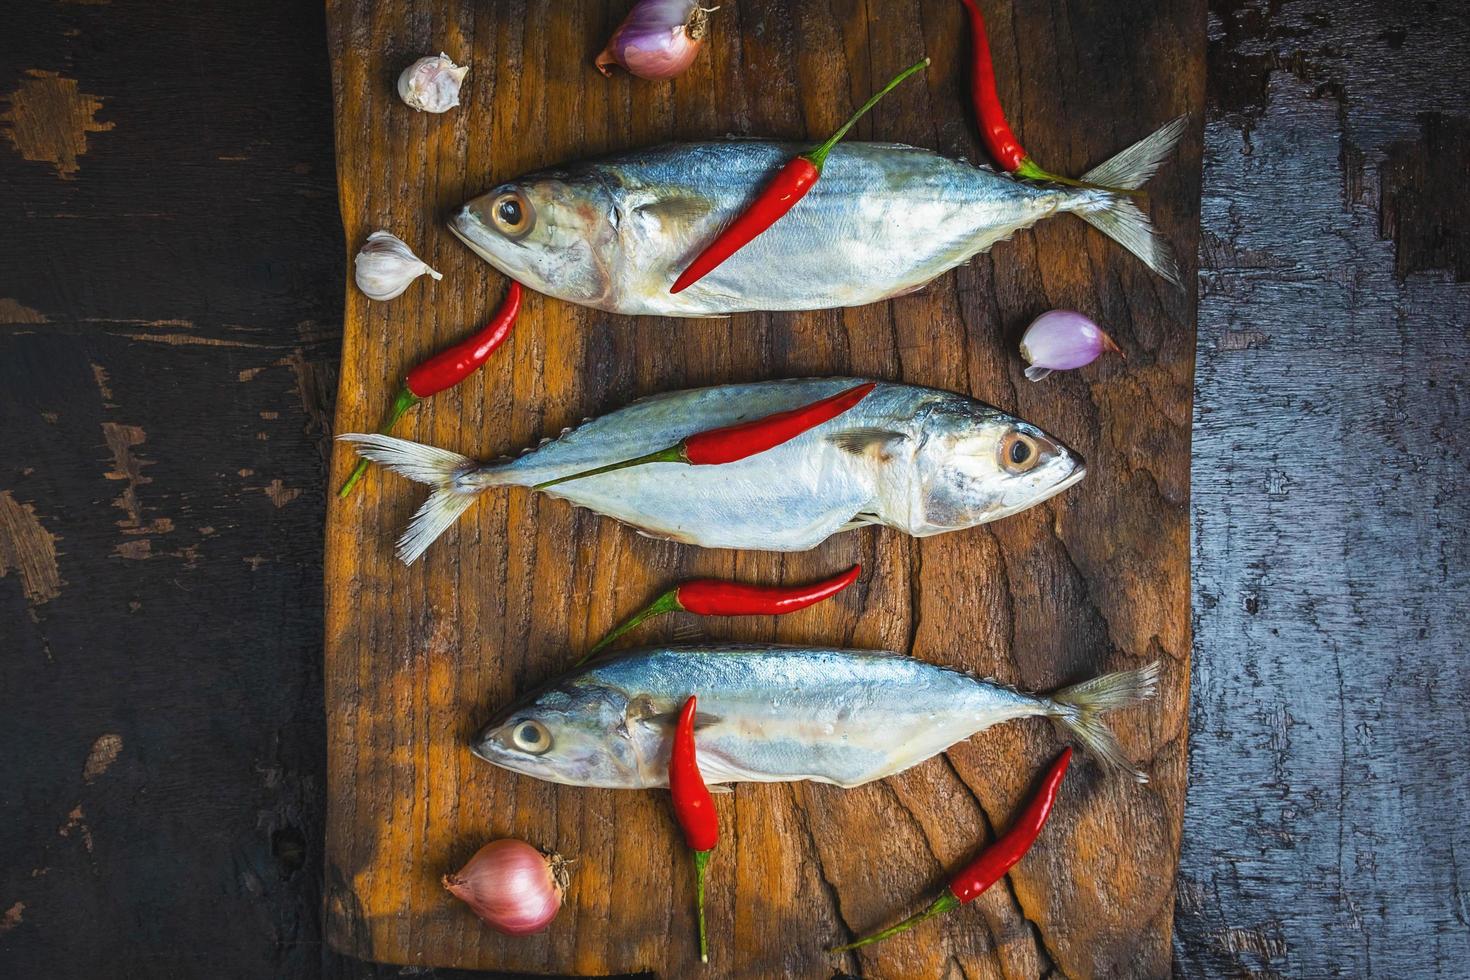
x: 401, y: 404
x: 818, y: 156
x: 701, y: 862
x: 673, y: 454
x: 668, y: 602
x: 1031, y: 170
x: 943, y: 903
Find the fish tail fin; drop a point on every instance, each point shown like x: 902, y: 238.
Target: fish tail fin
x: 441, y: 469
x: 1076, y: 709
x: 1116, y: 215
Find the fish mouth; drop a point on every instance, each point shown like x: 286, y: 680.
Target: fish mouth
x: 481, y: 739
x: 460, y: 226
x: 1071, y: 480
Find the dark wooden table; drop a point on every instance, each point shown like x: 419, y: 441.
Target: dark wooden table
x: 170, y: 290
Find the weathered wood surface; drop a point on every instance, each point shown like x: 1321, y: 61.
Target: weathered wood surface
x: 170, y: 288
x: 417, y: 657
x: 1325, y: 825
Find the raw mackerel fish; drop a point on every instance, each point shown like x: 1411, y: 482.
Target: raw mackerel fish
x: 775, y: 714
x: 915, y: 459
x: 884, y: 220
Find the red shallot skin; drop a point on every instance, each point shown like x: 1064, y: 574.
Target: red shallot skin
x: 659, y: 39
x: 511, y: 886
x: 1062, y: 340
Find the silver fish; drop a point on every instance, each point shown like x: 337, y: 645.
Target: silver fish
x: 884, y: 220
x: 775, y: 714
x: 915, y: 459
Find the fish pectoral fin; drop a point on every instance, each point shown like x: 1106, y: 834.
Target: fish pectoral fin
x: 639, y: 709
x: 676, y: 211
x: 878, y: 443
x: 678, y: 537
x: 859, y: 520
x: 644, y: 710
x: 667, y: 719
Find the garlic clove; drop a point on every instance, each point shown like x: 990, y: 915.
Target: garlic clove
x: 432, y: 84
x: 386, y: 266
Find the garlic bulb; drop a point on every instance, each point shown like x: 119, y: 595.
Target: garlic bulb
x: 386, y: 266
x: 432, y: 84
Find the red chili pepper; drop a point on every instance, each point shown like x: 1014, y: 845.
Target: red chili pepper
x: 713, y: 597
x: 1004, y: 148
x: 993, y: 862
x: 731, y: 443
x: 694, y: 808
x: 779, y: 196
x: 448, y: 368
x: 451, y: 366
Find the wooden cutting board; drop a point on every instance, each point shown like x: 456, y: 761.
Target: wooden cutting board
x: 1098, y: 579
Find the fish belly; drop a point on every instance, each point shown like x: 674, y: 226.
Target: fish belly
x: 779, y: 714
x: 789, y: 498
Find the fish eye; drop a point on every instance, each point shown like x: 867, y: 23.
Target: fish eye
x: 531, y: 736
x: 1019, y: 453
x: 512, y: 214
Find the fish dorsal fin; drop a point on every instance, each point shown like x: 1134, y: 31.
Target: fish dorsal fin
x: 878, y: 443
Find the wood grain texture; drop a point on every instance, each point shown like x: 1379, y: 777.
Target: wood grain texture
x: 417, y: 657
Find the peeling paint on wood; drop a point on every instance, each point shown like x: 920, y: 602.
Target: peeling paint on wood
x: 209, y: 673
x: 1425, y: 197
x: 99, y: 375
x: 49, y: 119
x: 29, y: 550
x: 280, y: 494
x: 186, y: 340
x: 103, y: 754
x: 11, y: 311
x: 1331, y: 528
x: 76, y: 823
x: 128, y: 467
